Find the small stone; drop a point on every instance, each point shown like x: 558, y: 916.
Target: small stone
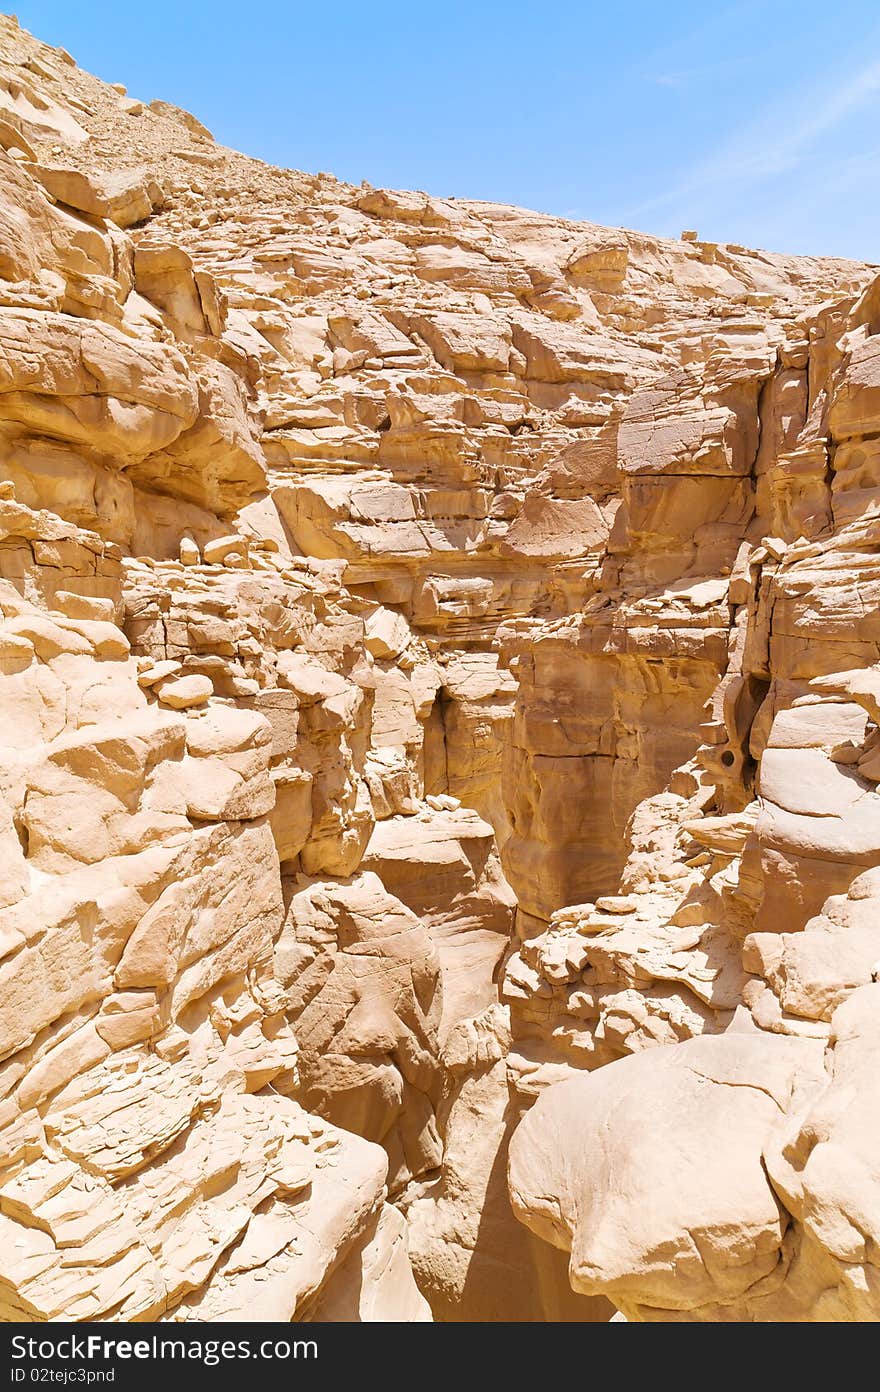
x: 157, y: 672
x: 616, y: 904
x: 216, y: 552
x: 185, y: 692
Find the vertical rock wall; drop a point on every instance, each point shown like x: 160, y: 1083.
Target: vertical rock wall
x: 436, y: 648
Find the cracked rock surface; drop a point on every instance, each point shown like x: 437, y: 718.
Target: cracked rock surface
x: 439, y: 690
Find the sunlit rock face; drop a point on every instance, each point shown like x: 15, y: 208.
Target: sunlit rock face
x: 438, y: 671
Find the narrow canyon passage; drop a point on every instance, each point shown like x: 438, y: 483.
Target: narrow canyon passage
x: 439, y: 693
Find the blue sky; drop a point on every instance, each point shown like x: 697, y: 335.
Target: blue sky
x: 755, y: 122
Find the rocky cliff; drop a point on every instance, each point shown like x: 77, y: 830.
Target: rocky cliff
x: 440, y: 651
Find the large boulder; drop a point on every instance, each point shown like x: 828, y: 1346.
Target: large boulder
x: 651, y: 1172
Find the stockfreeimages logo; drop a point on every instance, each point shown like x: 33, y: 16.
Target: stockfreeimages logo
x: 101, y: 1348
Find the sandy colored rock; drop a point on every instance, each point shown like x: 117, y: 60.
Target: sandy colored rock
x: 181, y: 693
x: 650, y: 1172
x: 438, y: 724
x: 445, y: 870
x: 122, y: 198
x: 362, y: 977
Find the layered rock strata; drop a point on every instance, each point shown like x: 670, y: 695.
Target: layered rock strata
x: 438, y: 659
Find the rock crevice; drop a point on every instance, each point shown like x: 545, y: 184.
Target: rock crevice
x: 438, y: 747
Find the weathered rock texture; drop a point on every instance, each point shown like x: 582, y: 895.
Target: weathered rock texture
x: 440, y: 660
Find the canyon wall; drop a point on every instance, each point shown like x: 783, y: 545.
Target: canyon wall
x: 439, y: 703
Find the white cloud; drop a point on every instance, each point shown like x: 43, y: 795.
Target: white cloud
x: 779, y: 139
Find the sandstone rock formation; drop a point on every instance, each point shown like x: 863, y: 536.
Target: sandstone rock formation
x: 439, y: 711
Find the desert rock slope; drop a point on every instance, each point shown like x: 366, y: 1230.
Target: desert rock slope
x: 439, y: 705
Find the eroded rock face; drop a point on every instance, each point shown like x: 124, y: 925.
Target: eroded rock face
x: 745, y: 914
x: 437, y: 660
x: 651, y: 1172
